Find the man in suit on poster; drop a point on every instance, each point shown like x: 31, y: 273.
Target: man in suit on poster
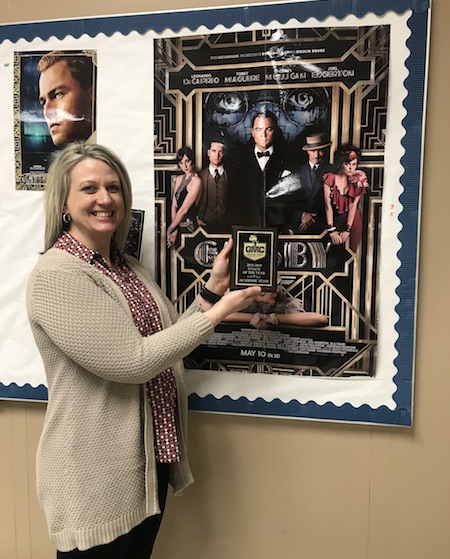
x: 212, y: 208
x: 303, y: 189
x: 66, y: 93
x: 264, y: 163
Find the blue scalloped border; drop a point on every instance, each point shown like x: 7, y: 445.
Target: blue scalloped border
x: 192, y: 19
x: 411, y: 179
x: 26, y: 392
x: 295, y: 410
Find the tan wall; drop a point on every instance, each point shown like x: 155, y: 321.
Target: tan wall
x: 270, y: 489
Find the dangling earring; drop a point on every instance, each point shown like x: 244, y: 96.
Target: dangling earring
x: 66, y: 218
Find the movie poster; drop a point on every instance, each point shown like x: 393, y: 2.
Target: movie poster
x: 286, y: 128
x: 54, y: 105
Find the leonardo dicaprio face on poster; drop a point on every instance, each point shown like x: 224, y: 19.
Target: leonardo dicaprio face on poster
x: 66, y: 97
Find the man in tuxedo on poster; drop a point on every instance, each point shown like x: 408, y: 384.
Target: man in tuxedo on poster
x: 262, y: 165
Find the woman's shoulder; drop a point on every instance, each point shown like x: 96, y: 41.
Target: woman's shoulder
x: 196, y: 178
x: 359, y: 180
x: 329, y: 178
x: 359, y: 175
x: 56, y: 264
x: 56, y: 268
x: 55, y: 258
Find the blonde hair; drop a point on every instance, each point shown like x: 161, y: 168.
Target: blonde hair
x: 81, y: 66
x: 58, y: 186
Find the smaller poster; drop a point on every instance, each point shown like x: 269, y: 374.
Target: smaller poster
x: 54, y: 105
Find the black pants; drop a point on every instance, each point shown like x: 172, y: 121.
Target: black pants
x: 137, y: 544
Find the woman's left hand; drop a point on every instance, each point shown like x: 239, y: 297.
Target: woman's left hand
x: 171, y: 238
x: 219, y: 280
x: 344, y: 236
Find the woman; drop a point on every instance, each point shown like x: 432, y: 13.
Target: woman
x: 187, y: 191
x: 112, y: 344
x: 277, y: 307
x: 342, y: 192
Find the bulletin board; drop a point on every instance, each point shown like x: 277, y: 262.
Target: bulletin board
x: 342, y: 73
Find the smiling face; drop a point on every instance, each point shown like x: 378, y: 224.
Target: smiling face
x: 95, y: 203
x: 67, y: 107
x: 263, y: 132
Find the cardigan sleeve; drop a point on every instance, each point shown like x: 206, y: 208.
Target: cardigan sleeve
x: 86, y: 320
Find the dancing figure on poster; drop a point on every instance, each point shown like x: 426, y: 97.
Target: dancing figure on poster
x: 342, y: 192
x: 213, y: 203
x: 271, y: 308
x: 186, y: 194
x: 66, y: 93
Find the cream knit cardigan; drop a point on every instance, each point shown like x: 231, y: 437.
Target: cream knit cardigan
x: 96, y: 475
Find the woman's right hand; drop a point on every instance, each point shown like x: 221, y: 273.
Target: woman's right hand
x: 307, y: 221
x: 219, y: 280
x: 335, y: 238
x: 232, y: 301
